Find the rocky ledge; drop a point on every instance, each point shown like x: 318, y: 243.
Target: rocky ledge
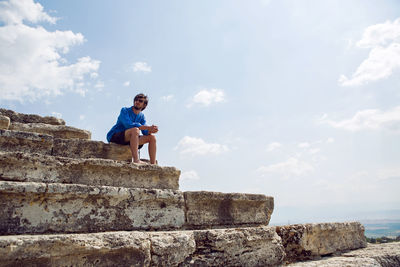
x: 374, y: 255
x: 252, y: 246
x: 30, y: 118
x: 33, y: 167
x: 306, y: 241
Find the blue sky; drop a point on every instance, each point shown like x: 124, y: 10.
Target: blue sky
x: 295, y: 99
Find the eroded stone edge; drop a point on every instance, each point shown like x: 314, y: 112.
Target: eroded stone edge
x: 52, y: 169
x: 309, y: 241
x: 173, y: 248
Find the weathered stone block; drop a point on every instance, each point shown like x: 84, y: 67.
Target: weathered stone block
x: 374, y: 255
x: 72, y: 148
x: 258, y: 246
x: 30, y: 118
x: 64, y: 208
x: 98, y: 249
x: 207, y: 209
x: 76, y: 148
x: 23, y: 167
x: 4, y: 122
x: 58, y: 131
x: 252, y: 246
x: 171, y: 248
x: 25, y: 142
x: 305, y: 241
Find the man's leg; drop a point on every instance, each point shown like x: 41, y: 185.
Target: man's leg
x: 151, y: 139
x: 132, y: 136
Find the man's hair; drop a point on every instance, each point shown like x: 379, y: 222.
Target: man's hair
x: 141, y: 96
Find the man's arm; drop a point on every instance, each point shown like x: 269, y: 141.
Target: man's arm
x: 126, y: 120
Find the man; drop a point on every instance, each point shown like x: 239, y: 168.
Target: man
x: 127, y: 129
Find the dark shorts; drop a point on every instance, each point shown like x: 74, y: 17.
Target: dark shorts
x: 119, y: 138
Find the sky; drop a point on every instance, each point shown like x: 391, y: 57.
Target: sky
x: 295, y: 99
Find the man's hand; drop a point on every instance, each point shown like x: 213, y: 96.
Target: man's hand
x: 153, y: 129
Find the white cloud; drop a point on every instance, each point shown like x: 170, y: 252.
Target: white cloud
x: 94, y: 75
x: 31, y: 62
x: 369, y: 119
x: 380, y: 34
x: 127, y: 83
x: 17, y: 11
x: 197, y: 146
x: 384, y: 57
x: 189, y: 175
x: 207, y: 97
x: 291, y: 167
x: 81, y: 117
x: 330, y: 140
x: 303, y: 145
x: 167, y: 98
x: 273, y: 146
x: 141, y: 66
x: 388, y: 173
x: 99, y: 85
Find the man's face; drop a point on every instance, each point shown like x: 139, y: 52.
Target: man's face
x: 139, y: 103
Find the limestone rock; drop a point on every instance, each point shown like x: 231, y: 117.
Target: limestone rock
x: 73, y: 148
x: 339, y: 262
x: 4, y: 122
x: 70, y: 208
x: 171, y: 248
x: 385, y: 254
x: 76, y: 148
x: 207, y: 209
x: 23, y: 167
x: 98, y: 249
x: 305, y: 241
x: 58, y: 131
x: 25, y: 142
x: 374, y: 255
x: 30, y: 118
x: 252, y: 246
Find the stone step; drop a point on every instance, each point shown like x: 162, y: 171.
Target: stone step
x: 30, y: 118
x: 252, y: 246
x: 307, y: 241
x: 374, y: 255
x: 57, y: 131
x: 72, y: 148
x: 33, y: 167
x: 4, y: 122
x: 25, y: 142
x: 30, y: 207
x: 209, y: 209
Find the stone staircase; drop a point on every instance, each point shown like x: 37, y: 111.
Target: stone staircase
x: 70, y: 201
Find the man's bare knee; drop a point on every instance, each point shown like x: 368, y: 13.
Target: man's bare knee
x: 152, y: 138
x: 133, y: 131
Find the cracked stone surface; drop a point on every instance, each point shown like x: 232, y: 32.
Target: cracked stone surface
x: 30, y: 118
x: 4, y: 122
x: 252, y: 246
x: 29, y: 207
x: 33, y: 167
x: 207, y: 209
x: 13, y: 141
x: 58, y: 131
x: 374, y: 255
x: 305, y: 241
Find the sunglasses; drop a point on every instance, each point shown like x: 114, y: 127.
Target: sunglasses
x: 139, y: 100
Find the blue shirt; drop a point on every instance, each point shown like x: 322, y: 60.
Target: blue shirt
x: 127, y: 119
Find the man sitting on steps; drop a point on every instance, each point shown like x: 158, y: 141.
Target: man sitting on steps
x: 127, y: 129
